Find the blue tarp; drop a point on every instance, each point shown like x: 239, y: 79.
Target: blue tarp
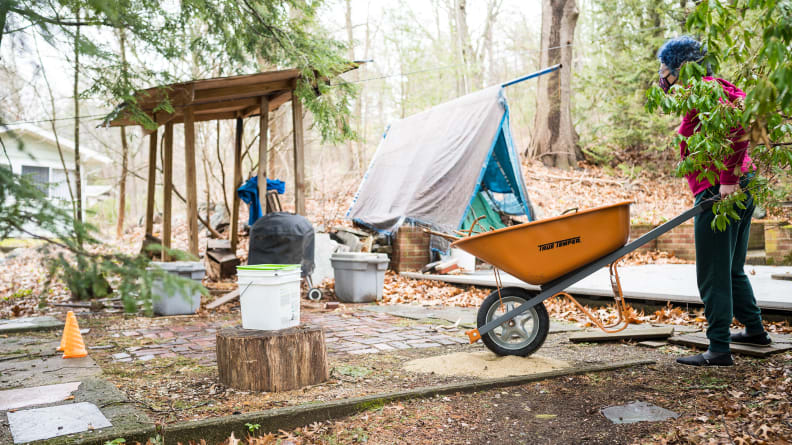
x: 248, y: 193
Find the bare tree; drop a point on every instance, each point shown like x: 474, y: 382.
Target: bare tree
x: 77, y: 174
x: 124, y: 154
x: 554, y: 137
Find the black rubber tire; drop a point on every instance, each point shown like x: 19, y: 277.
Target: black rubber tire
x: 314, y: 294
x: 542, y: 319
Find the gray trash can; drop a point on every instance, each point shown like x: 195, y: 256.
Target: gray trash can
x: 181, y: 301
x: 359, y: 277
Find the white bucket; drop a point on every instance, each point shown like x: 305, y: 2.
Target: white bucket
x: 269, y: 299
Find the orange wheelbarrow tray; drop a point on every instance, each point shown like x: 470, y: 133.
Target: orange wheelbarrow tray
x: 557, y: 252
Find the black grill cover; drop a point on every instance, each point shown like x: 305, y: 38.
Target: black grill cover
x: 282, y: 238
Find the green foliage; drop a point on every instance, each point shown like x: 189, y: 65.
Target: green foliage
x: 75, y: 255
x: 748, y: 39
x: 245, y: 36
x: 252, y: 427
x: 623, y: 65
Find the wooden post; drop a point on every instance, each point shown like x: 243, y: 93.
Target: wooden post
x: 167, y: 189
x: 151, y: 183
x: 189, y: 176
x: 282, y: 360
x: 236, y: 183
x: 299, y: 156
x: 263, y: 142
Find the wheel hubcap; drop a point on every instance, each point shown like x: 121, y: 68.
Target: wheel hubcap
x: 518, y: 332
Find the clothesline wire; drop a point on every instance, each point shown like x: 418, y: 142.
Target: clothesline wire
x: 410, y: 73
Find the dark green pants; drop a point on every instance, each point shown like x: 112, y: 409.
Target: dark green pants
x: 723, y: 285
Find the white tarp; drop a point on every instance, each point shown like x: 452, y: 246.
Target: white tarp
x: 428, y: 165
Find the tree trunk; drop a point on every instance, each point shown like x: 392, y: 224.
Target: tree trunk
x: 124, y: 153
x: 463, y: 41
x: 77, y: 174
x: 554, y: 137
x: 282, y: 360
x: 122, y: 185
x: 4, y: 7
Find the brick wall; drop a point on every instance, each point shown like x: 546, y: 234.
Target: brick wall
x: 680, y: 242
x: 756, y: 240
x: 778, y: 242
x: 410, y: 249
x: 637, y: 230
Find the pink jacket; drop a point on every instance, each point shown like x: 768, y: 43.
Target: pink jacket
x: 739, y: 157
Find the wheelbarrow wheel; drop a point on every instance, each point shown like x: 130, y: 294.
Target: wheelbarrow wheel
x: 520, y: 336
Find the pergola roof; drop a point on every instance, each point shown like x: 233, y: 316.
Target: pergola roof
x: 216, y: 98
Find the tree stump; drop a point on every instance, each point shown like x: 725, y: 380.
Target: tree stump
x: 271, y: 361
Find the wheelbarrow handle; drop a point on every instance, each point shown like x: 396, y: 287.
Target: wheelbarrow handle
x: 563, y: 282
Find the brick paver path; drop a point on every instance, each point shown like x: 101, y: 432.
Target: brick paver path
x: 356, y: 333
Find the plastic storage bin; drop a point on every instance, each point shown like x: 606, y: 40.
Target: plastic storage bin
x: 359, y: 277
x: 181, y: 301
x: 269, y: 295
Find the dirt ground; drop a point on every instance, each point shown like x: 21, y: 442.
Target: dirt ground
x: 746, y: 404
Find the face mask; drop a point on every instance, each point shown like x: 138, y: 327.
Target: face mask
x: 664, y: 83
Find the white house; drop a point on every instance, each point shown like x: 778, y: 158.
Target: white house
x: 33, y: 151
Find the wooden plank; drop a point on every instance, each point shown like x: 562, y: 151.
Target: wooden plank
x: 262, y: 155
x: 189, y: 176
x: 246, y: 79
x: 237, y: 182
x: 234, y: 92
x: 167, y: 189
x: 652, y: 343
x: 781, y: 276
x: 151, y: 182
x: 299, y: 156
x: 233, y: 295
x: 218, y: 244
x: 701, y: 341
x: 627, y: 334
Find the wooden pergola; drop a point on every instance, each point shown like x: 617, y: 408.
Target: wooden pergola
x: 236, y: 97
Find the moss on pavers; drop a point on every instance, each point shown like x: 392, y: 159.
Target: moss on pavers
x: 218, y: 429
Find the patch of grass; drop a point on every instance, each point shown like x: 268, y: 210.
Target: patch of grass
x: 21, y: 293
x: 352, y: 371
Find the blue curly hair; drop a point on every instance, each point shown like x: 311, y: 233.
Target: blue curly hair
x: 679, y: 50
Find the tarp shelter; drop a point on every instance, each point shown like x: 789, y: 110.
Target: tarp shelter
x: 432, y: 168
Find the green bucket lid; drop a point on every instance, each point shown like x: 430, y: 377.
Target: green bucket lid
x: 269, y: 267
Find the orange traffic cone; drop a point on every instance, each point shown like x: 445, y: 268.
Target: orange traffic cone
x: 74, y: 347
x: 65, y: 329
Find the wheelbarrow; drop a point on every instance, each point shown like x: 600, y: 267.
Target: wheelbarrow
x: 553, y: 253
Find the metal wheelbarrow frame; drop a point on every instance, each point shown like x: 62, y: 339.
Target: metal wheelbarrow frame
x: 487, y: 322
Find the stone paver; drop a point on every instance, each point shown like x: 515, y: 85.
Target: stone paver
x: 638, y: 412
x: 362, y: 332
x: 25, y: 324
x: 37, y: 395
x: 46, y: 423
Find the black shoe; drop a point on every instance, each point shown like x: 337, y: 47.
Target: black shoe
x: 743, y: 338
x: 708, y: 359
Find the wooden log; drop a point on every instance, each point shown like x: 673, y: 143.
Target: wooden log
x: 167, y: 189
x: 262, y: 167
x: 190, y: 177
x: 299, y: 156
x: 271, y: 361
x: 151, y: 182
x: 237, y: 183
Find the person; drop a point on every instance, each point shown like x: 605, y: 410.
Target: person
x: 723, y: 284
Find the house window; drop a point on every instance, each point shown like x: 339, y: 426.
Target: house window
x: 59, y: 187
x: 38, y: 176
